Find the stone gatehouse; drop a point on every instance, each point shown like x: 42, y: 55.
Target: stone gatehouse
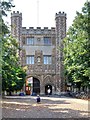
x: 41, y: 54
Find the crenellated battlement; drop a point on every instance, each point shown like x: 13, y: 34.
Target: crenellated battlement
x: 59, y: 14
x: 38, y: 30
x: 13, y: 14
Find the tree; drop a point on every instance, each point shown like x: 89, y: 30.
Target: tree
x: 13, y: 75
x: 6, y: 6
x: 77, y: 49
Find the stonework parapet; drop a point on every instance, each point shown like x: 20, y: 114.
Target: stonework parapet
x: 38, y: 30
x: 13, y: 14
x: 59, y: 14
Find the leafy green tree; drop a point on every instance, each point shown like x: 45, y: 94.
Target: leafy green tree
x: 6, y: 6
x: 77, y: 49
x: 13, y: 75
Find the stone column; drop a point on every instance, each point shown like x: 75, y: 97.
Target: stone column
x: 53, y: 89
x: 42, y: 87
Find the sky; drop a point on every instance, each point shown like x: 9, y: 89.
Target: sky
x: 41, y: 13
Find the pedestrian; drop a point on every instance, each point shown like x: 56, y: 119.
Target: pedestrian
x: 49, y: 92
x: 38, y: 99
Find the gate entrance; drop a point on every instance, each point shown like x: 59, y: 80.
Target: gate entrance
x: 48, y: 89
x: 36, y: 86
x: 32, y: 86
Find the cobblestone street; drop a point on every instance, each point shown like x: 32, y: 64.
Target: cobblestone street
x: 50, y: 107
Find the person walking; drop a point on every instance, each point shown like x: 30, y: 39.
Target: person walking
x: 49, y: 92
x: 38, y: 99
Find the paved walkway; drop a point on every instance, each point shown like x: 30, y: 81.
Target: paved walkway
x: 50, y: 107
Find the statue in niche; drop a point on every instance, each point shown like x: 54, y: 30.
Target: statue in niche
x: 38, y: 59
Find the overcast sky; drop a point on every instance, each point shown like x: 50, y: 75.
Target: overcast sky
x: 42, y: 12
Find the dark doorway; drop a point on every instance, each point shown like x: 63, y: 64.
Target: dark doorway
x: 36, y: 86
x: 48, y: 89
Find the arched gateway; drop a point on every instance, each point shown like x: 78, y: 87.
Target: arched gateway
x: 36, y: 86
x: 48, y: 89
x: 32, y: 86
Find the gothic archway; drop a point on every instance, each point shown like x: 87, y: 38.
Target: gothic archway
x: 32, y: 86
x: 48, y: 89
x: 36, y: 86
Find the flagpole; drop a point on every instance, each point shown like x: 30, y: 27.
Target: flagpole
x: 37, y: 13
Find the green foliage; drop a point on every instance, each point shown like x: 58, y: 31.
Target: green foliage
x: 6, y: 6
x: 77, y: 48
x: 13, y: 75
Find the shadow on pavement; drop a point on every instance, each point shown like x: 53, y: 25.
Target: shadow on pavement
x: 28, y: 108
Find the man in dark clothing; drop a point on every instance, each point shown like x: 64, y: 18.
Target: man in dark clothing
x: 38, y: 99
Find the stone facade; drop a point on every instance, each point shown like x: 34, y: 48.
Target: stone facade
x: 40, y: 52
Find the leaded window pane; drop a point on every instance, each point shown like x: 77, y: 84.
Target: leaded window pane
x: 47, y: 59
x: 30, y: 41
x: 30, y: 60
x: 47, y: 41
